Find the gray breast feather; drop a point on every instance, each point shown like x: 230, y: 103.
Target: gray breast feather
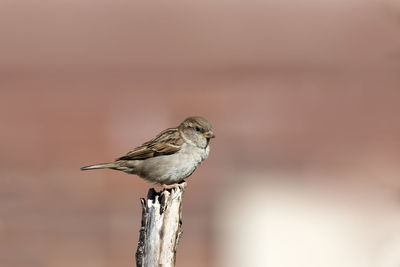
x: 173, y: 168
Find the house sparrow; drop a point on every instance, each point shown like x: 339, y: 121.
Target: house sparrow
x: 170, y: 157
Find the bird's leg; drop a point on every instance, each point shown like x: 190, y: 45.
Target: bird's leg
x: 181, y: 185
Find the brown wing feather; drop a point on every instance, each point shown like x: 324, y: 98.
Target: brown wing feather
x: 166, y: 143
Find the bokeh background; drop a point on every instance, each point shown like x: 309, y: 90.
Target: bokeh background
x: 303, y: 95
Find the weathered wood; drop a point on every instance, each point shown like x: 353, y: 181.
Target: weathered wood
x: 160, y: 229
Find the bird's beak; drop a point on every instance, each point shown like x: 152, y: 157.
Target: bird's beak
x: 209, y: 134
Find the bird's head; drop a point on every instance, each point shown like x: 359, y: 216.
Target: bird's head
x: 198, y: 130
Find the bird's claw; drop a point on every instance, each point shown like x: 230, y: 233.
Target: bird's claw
x: 182, y: 185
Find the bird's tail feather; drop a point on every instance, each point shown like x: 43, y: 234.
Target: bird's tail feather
x: 99, y: 166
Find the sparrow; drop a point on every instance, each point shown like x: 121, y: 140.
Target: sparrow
x: 173, y: 155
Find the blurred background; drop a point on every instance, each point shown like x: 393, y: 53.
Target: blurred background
x: 303, y: 95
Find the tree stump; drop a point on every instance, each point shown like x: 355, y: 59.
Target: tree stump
x: 160, y: 229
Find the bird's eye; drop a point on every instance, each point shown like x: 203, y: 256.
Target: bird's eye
x: 197, y: 128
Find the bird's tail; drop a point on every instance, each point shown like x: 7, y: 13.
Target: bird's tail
x: 110, y: 165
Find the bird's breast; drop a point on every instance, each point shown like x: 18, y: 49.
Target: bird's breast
x: 174, y: 168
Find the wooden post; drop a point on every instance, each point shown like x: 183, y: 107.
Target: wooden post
x: 160, y: 229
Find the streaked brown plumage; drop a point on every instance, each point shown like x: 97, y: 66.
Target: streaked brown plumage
x: 171, y: 156
x: 165, y: 143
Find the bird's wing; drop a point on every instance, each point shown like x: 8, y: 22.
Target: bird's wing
x: 167, y: 142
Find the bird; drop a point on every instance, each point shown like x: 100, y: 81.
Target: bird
x: 170, y: 157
